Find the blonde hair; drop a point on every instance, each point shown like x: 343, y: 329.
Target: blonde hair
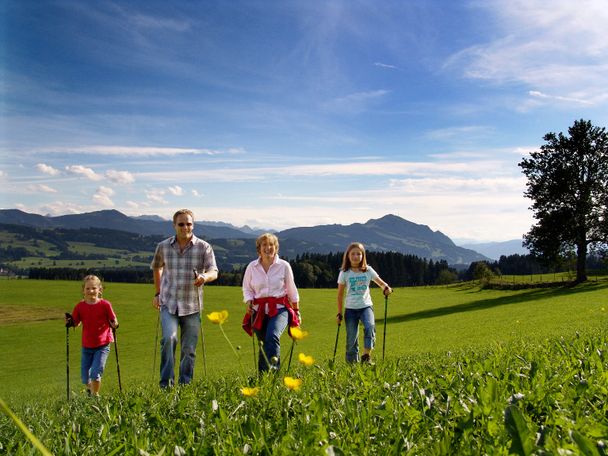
x: 95, y: 279
x: 181, y: 212
x: 266, y: 237
x: 346, y: 265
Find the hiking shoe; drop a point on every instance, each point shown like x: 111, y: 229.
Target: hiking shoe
x: 366, y: 359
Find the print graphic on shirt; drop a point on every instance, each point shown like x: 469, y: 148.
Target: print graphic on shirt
x: 357, y: 284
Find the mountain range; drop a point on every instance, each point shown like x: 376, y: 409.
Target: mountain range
x: 495, y: 250
x: 388, y: 233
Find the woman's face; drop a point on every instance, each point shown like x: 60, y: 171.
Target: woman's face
x: 268, y: 249
x: 355, y: 256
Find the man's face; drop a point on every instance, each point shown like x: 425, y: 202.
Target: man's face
x: 183, y: 227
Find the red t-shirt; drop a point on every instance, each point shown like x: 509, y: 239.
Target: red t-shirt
x: 95, y: 318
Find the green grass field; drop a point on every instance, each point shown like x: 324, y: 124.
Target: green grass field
x: 467, y: 371
x: 420, y: 320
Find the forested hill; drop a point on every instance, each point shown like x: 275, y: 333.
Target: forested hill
x: 386, y: 234
x: 115, y: 220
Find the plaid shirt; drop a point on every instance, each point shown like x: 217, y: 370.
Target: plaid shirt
x: 177, y: 290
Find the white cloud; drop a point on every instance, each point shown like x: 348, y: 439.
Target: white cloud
x: 120, y: 177
x: 176, y: 190
x: 47, y: 169
x: 132, y: 205
x: 362, y: 168
x: 384, y: 65
x: 196, y: 194
x: 102, y: 196
x: 156, y: 196
x: 141, y: 151
x: 59, y: 208
x: 40, y: 188
x: 80, y: 170
x: 452, y: 185
x: 151, y: 22
x: 355, y: 102
x: 544, y: 96
x: 559, y: 52
x: 459, y: 133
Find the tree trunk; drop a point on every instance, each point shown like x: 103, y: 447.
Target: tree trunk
x: 581, y: 261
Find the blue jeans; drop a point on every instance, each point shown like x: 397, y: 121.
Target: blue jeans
x: 190, y: 326
x: 93, y: 362
x: 270, y: 334
x: 352, y: 317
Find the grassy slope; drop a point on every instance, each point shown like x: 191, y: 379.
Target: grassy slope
x: 425, y: 319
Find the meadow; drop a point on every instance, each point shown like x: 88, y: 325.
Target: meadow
x: 467, y: 371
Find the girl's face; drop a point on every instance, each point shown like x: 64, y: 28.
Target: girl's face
x: 355, y: 256
x: 91, y: 290
x: 267, y: 249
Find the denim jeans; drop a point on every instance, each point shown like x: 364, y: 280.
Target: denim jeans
x: 270, y: 334
x: 352, y: 317
x: 190, y: 326
x: 93, y: 362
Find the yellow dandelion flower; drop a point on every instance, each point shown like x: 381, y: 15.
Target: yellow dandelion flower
x: 218, y: 317
x: 250, y: 392
x: 297, y: 333
x: 307, y: 360
x: 292, y: 383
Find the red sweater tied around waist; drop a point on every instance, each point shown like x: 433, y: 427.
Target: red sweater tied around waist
x: 268, y: 306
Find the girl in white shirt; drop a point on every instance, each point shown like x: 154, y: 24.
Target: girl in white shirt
x: 354, y: 279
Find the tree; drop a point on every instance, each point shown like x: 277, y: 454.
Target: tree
x: 568, y: 183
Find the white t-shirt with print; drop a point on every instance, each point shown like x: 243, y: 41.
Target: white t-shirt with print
x: 356, y: 285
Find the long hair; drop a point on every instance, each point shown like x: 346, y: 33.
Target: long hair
x: 346, y: 260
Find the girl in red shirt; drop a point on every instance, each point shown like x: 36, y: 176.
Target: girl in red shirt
x: 98, y: 319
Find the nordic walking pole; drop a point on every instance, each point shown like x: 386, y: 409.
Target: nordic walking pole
x: 333, y: 361
x: 385, y: 311
x: 155, y: 344
x: 253, y: 342
x: 200, y: 309
x: 67, y: 353
x: 117, y: 364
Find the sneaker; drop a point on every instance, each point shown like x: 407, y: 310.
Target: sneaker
x: 366, y: 359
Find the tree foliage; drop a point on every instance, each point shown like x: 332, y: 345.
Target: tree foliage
x: 568, y: 184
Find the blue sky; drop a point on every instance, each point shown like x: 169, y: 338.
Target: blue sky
x: 293, y: 113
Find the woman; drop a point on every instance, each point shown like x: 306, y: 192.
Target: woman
x: 272, y: 300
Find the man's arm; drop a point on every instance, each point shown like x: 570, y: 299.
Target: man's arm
x: 157, y: 274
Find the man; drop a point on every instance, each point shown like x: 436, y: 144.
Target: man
x: 178, y: 294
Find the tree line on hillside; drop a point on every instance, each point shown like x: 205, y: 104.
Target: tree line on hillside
x: 313, y: 270
x: 310, y: 270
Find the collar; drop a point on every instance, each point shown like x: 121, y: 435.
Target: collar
x: 258, y: 262
x: 193, y: 240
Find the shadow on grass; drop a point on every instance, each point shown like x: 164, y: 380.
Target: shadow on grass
x: 482, y: 304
